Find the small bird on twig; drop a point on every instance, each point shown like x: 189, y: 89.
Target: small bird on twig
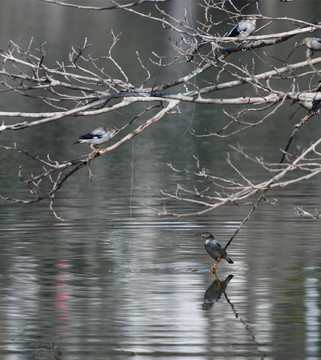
x: 98, y: 136
x: 311, y: 105
x: 213, y: 247
x: 312, y: 43
x: 243, y: 28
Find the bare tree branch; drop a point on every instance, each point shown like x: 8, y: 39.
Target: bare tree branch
x: 89, y: 86
x: 111, y: 7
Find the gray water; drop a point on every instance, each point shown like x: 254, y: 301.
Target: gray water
x: 114, y: 280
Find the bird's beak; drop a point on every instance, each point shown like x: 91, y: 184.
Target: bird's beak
x: 198, y: 234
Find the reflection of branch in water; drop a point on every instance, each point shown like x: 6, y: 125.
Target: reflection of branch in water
x: 214, y: 291
x: 301, y: 212
x: 243, y: 322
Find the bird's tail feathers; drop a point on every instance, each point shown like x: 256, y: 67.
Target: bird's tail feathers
x: 229, y: 260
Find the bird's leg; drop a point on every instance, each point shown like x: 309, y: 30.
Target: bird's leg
x: 245, y: 42
x: 213, y: 269
x: 101, y: 150
x: 309, y: 54
x: 95, y: 150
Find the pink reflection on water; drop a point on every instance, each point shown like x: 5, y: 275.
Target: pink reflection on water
x: 61, y: 296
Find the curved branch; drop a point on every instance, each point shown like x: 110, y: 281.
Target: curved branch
x: 64, y: 170
x: 112, y: 7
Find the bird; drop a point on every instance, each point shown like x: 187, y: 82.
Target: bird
x: 311, y: 105
x: 98, y: 136
x: 213, y: 247
x: 312, y: 43
x: 243, y: 28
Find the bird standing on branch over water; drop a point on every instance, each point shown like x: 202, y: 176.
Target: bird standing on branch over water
x: 213, y: 247
x: 98, y: 136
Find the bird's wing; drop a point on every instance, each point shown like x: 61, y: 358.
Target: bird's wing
x: 218, y: 245
x: 95, y: 134
x: 213, y: 245
x: 234, y: 32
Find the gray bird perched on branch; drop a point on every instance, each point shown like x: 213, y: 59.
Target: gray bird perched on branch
x: 98, y: 136
x: 312, y: 43
x: 213, y: 247
x: 243, y: 28
x: 311, y: 105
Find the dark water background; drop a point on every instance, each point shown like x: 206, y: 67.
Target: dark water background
x: 114, y: 280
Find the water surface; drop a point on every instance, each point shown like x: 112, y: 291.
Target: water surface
x: 115, y: 280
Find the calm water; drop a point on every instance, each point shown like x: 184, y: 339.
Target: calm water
x: 114, y: 280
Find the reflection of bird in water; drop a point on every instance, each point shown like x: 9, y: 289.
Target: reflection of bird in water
x: 312, y: 43
x: 214, y: 291
x: 243, y: 28
x: 98, y: 136
x: 213, y: 247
